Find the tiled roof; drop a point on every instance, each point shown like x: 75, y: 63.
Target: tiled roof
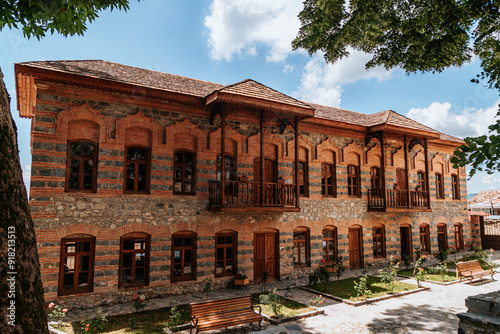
x: 339, y: 115
x: 257, y: 90
x: 451, y: 138
x: 486, y: 196
x: 391, y: 117
x: 106, y: 70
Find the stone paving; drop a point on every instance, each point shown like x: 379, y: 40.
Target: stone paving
x: 432, y: 311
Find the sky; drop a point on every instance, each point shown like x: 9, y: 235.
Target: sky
x: 227, y: 41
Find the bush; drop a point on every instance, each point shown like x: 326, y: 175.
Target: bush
x: 314, y: 277
x: 174, y: 320
x: 338, y: 267
x: 93, y: 326
x: 57, y: 313
x: 407, y: 261
x: 442, y: 256
x: 139, y: 304
x: 361, y: 288
x: 274, y: 300
x: 388, y: 275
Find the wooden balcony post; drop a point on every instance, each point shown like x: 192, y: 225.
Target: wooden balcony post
x: 297, y: 191
x: 223, y: 157
x: 262, y: 192
x: 426, y: 153
x: 406, y: 171
x: 383, y: 183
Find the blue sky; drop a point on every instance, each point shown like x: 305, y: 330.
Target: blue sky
x: 226, y: 41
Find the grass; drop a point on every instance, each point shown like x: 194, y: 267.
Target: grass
x: 148, y: 322
x: 290, y: 308
x: 449, y: 277
x: 345, y: 288
x: 450, y: 264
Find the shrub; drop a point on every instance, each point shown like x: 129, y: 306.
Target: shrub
x: 174, y: 320
x: 418, y: 254
x: 361, y: 288
x: 389, y: 275
x: 139, y: 304
x: 442, y: 256
x: 57, y: 313
x: 274, y: 300
x: 418, y: 271
x: 93, y: 326
x: 338, y: 267
x: 316, y: 300
x: 314, y: 277
x: 407, y: 261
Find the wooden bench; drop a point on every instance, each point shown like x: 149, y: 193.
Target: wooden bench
x: 472, y: 269
x: 223, y: 313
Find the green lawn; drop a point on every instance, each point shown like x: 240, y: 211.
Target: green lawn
x: 289, y: 309
x: 450, y: 264
x: 148, y: 322
x: 345, y: 288
x: 449, y: 277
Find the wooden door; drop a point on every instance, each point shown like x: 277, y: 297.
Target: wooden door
x: 405, y: 235
x: 269, y: 177
x: 355, y: 248
x: 401, y: 178
x: 265, y: 255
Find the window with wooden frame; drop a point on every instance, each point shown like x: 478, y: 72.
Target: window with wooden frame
x: 303, y: 178
x: 184, y: 173
x: 378, y: 241
x: 353, y: 188
x: 455, y: 186
x: 225, y: 253
x: 421, y: 180
x: 459, y: 240
x: 81, y: 168
x: 442, y: 236
x: 301, y: 247
x: 330, y: 244
x: 230, y: 167
x: 425, y: 240
x: 328, y: 182
x: 376, y: 181
x: 137, y: 169
x: 183, y: 256
x: 134, y: 260
x: 438, y: 177
x: 76, y: 270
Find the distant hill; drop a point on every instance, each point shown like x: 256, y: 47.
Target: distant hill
x: 469, y: 196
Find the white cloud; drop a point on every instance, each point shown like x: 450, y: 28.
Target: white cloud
x: 26, y: 176
x: 288, y: 68
x: 238, y: 26
x: 471, y: 122
x: 321, y: 82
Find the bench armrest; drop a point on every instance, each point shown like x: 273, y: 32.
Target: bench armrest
x: 194, y: 321
x: 260, y: 309
x: 463, y: 272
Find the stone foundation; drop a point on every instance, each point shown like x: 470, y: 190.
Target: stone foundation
x: 483, y: 314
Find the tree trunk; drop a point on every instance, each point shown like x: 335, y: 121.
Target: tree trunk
x: 21, y: 293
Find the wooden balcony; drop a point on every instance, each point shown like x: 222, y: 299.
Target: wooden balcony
x: 398, y: 200
x: 242, y: 196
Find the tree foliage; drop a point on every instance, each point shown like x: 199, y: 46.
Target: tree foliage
x: 417, y: 36
x: 67, y: 17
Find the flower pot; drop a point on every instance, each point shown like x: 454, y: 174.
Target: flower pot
x: 243, y: 178
x: 329, y: 270
x: 239, y: 281
x: 281, y: 181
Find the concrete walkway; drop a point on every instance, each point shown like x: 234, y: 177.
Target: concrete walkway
x: 431, y: 311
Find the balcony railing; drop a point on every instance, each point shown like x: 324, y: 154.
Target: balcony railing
x: 397, y: 199
x: 248, y: 194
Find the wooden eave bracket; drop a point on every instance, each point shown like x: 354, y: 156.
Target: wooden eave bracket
x: 25, y: 94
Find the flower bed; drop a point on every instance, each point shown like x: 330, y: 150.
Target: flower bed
x: 449, y: 278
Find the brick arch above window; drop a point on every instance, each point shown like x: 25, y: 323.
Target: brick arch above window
x: 308, y: 149
x: 138, y: 121
x: 176, y: 132
x: 269, y: 139
x: 138, y: 136
x: 374, y: 156
x: 68, y: 230
x: 235, y: 142
x: 418, y: 161
x: 325, y: 150
x: 136, y: 227
x: 83, y: 113
x: 353, y: 154
x: 439, y: 164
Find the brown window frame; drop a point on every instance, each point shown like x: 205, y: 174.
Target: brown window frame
x: 146, y: 250
x: 224, y: 246
x: 459, y: 236
x: 442, y: 234
x: 76, y: 271
x: 326, y: 244
x: 81, y: 173
x: 306, y: 242
x: 137, y: 163
x: 353, y: 190
x: 183, y: 235
x: 325, y: 174
x: 303, y: 178
x: 378, y: 231
x: 421, y: 180
x: 425, y: 238
x: 183, y: 165
x: 439, y: 181
x: 455, y: 186
x: 376, y: 180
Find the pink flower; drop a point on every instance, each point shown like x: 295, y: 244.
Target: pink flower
x: 51, y: 305
x: 322, y: 260
x: 320, y: 296
x: 492, y: 250
x: 314, y: 302
x: 65, y: 310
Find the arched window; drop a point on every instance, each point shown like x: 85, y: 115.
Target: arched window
x: 442, y: 236
x: 225, y: 253
x: 76, y: 271
x: 301, y: 247
x: 81, y: 169
x: 455, y: 186
x: 439, y: 185
x: 425, y: 241
x: 184, y: 173
x: 376, y: 181
x: 134, y: 260
x: 303, y: 178
x: 421, y: 180
x: 459, y: 240
x: 183, y: 256
x: 330, y: 244
x: 353, y: 181
x: 137, y: 170
x: 378, y: 241
x: 328, y: 184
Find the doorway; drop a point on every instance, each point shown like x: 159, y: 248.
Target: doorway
x: 269, y: 177
x: 355, y: 247
x: 405, y: 235
x: 265, y: 255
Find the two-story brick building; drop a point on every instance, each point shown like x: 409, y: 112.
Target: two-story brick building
x: 129, y: 193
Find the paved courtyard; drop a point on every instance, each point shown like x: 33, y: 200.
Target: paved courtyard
x: 432, y: 311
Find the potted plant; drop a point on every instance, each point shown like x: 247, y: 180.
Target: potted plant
x: 418, y: 187
x: 395, y: 186
x: 243, y: 178
x: 281, y: 180
x: 328, y: 266
x: 241, y: 278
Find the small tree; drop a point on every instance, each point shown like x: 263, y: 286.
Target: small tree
x: 338, y: 267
